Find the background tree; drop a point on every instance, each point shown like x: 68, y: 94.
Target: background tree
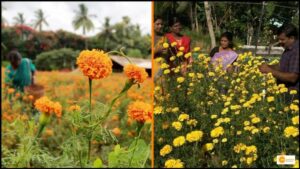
x: 40, y: 20
x: 19, y: 19
x: 82, y: 19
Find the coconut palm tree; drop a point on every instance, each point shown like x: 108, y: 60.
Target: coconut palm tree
x: 19, y: 19
x: 40, y: 20
x: 82, y: 19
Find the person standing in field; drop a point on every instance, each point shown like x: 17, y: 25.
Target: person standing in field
x: 287, y: 70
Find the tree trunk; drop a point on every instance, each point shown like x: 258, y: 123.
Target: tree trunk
x: 209, y: 24
x: 249, y: 33
x: 196, y: 18
x: 191, y: 16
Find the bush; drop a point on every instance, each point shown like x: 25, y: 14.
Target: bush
x: 64, y: 58
x: 135, y: 53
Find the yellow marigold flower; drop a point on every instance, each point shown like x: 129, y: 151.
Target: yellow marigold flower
x: 192, y: 122
x: 74, y: 108
x: 270, y: 99
x: 295, y: 120
x: 178, y: 141
x: 165, y: 45
x: 164, y: 66
x: 180, y: 79
x: 235, y: 107
x: 177, y: 125
x: 173, y: 163
x: 238, y: 132
x: 196, y: 49
x: 215, y: 141
x: 95, y: 64
x: 135, y: 73
x: 294, y: 107
x: 165, y: 150
x: 224, y: 140
x: 211, y: 74
x: 216, y: 132
x: 250, y: 149
x: 292, y: 92
x: 224, y: 162
x: 158, y: 110
x: 181, y: 48
x: 173, y: 44
x: 167, y: 71
x: 254, y: 131
x: 208, y: 146
x: 140, y: 111
x: 283, y: 90
x: 237, y: 148
x: 296, y: 165
x: 175, y: 109
x: 183, y: 117
x: 172, y: 58
x: 234, y: 166
x: 179, y: 54
x: 191, y: 75
x: 213, y: 116
x: 188, y: 55
x: 266, y: 129
x: 200, y: 75
x: 249, y: 160
x: 291, y: 131
x: 255, y: 120
x: 194, y: 136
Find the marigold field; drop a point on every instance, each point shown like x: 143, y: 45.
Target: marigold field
x: 74, y: 136
x: 207, y: 117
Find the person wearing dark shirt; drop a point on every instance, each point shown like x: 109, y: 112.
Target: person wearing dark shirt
x: 287, y: 71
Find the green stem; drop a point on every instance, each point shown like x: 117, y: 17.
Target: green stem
x: 90, y: 110
x: 139, y: 130
x: 120, y: 53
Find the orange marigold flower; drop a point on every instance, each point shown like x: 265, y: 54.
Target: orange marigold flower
x: 11, y: 90
x: 94, y: 63
x: 117, y: 131
x: 140, y: 111
x: 45, y: 105
x: 133, y: 72
x: 74, y: 108
x: 30, y: 97
x: 57, y: 109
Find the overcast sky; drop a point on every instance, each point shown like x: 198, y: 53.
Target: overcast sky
x: 60, y: 15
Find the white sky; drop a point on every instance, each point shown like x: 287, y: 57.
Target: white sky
x: 60, y: 15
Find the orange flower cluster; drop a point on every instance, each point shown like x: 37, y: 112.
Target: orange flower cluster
x: 140, y: 111
x: 74, y: 108
x: 138, y: 74
x: 45, y: 105
x: 95, y: 64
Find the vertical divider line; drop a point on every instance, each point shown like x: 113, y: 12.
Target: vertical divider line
x: 152, y: 76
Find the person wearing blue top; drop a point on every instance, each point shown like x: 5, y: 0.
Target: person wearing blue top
x: 20, y: 72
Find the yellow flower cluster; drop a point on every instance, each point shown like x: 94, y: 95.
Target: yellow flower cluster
x: 178, y: 141
x: 174, y: 163
x: 216, y: 132
x: 194, y: 136
x: 165, y: 150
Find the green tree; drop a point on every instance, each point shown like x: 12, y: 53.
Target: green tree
x: 19, y: 19
x: 40, y: 20
x: 82, y: 19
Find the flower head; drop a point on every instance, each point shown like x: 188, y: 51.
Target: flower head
x: 194, y: 136
x: 165, y: 150
x: 46, y: 106
x: 94, y: 63
x: 173, y: 163
x: 135, y: 73
x: 140, y: 111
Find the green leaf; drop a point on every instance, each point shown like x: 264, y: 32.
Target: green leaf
x: 97, y: 163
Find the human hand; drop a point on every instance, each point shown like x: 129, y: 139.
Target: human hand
x: 264, y: 68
